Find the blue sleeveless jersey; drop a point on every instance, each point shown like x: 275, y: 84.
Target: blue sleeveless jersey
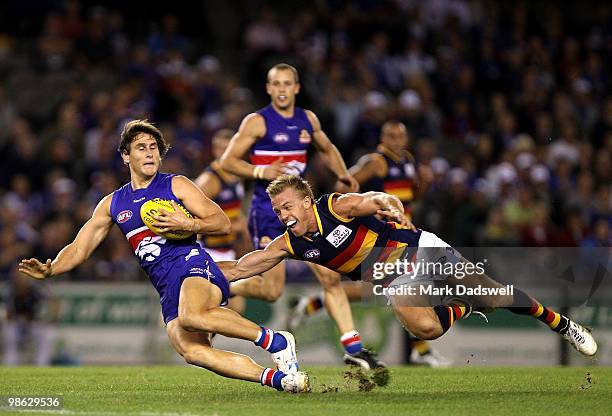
x: 166, y: 262
x: 285, y: 138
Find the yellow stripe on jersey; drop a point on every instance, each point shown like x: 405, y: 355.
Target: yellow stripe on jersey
x: 213, y: 241
x: 366, y: 247
x: 288, y: 242
x: 232, y: 213
x: 402, y: 194
x: 316, y: 212
x: 396, y: 253
x: 331, y: 209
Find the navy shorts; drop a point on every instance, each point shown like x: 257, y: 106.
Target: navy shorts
x: 194, y: 263
x: 264, y: 225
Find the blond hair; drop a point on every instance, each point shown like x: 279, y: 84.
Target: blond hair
x: 283, y: 182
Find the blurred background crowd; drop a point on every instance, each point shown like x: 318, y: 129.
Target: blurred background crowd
x: 507, y: 103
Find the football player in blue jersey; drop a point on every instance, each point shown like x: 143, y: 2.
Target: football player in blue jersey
x: 191, y: 286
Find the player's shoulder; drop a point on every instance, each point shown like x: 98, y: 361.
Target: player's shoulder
x: 253, y: 124
x: 376, y: 161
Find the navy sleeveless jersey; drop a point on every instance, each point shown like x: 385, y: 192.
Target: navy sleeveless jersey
x: 230, y: 201
x: 351, y: 246
x: 400, y: 178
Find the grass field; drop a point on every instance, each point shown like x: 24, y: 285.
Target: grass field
x: 166, y: 391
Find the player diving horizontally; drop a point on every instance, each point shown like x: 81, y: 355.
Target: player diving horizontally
x: 391, y: 169
x: 342, y: 232
x: 278, y: 138
x: 190, y: 285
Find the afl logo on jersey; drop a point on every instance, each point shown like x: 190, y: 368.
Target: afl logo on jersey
x: 312, y: 254
x: 123, y: 216
x: 304, y: 136
x: 281, y: 138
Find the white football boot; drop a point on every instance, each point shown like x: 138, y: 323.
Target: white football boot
x: 286, y: 359
x: 432, y: 359
x: 581, y: 339
x: 296, y: 382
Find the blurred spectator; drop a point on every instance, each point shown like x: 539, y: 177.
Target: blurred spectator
x: 29, y: 332
x: 513, y: 119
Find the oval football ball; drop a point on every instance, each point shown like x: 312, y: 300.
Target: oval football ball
x: 153, y: 206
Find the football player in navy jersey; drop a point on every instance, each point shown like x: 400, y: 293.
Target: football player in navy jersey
x: 393, y: 170
x: 277, y: 138
x: 190, y: 285
x: 345, y: 234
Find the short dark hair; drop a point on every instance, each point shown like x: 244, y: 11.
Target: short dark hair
x: 284, y: 67
x: 283, y: 182
x: 135, y: 127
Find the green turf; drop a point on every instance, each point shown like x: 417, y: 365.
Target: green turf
x: 165, y: 391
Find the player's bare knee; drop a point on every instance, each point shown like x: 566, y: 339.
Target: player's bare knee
x: 197, y: 356
x: 273, y: 293
x: 195, y: 322
x: 427, y: 329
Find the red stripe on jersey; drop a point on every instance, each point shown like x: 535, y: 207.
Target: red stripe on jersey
x: 350, y: 251
x: 230, y: 204
x: 398, y: 184
x: 269, y: 159
x: 137, y: 238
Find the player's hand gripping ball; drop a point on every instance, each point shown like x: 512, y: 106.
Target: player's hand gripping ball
x: 153, y: 207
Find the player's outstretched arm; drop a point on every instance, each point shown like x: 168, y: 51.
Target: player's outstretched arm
x: 93, y: 232
x: 371, y: 203
x: 331, y: 155
x: 209, y: 217
x: 259, y: 261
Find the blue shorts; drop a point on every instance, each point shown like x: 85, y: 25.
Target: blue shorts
x: 194, y: 263
x: 264, y: 225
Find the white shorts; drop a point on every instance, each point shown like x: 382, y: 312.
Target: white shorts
x: 221, y: 255
x: 431, y: 257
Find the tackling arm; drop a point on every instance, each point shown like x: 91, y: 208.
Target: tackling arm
x: 259, y: 261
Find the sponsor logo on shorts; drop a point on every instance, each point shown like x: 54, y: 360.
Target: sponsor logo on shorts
x: 281, y: 138
x: 196, y: 270
x: 338, y: 235
x: 123, y: 216
x: 312, y: 254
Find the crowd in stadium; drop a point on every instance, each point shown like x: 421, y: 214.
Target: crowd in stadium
x: 513, y: 118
